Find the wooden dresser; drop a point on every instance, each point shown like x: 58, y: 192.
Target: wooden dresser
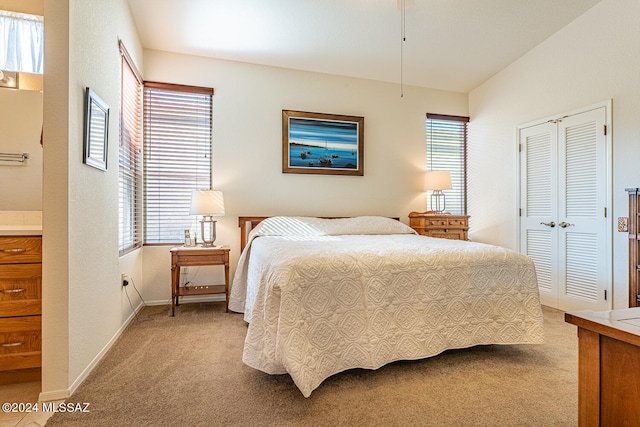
x: 446, y: 226
x: 608, y: 360
x: 20, y: 308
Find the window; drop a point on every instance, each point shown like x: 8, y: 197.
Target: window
x: 130, y: 156
x: 177, y: 156
x: 21, y: 42
x: 447, y: 150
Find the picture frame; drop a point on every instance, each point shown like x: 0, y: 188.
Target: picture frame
x: 96, y: 131
x: 325, y: 144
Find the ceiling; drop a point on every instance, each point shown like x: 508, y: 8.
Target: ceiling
x: 450, y: 44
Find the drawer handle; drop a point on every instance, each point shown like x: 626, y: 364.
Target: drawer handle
x: 13, y: 251
x: 13, y: 344
x: 12, y: 291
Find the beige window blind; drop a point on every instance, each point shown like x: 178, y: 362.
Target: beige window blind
x: 130, y: 157
x: 447, y: 150
x: 177, y: 156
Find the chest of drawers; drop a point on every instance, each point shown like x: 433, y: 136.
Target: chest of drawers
x: 444, y: 226
x: 20, y: 303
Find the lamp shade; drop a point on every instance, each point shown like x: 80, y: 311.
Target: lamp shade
x: 437, y: 180
x: 207, y: 202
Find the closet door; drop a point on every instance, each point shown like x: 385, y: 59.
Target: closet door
x: 582, y: 197
x: 563, y: 227
x: 538, y: 206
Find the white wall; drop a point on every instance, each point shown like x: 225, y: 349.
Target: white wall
x: 84, y: 304
x: 33, y: 7
x: 595, y: 58
x: 20, y: 126
x: 247, y: 145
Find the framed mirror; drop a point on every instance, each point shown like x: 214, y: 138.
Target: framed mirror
x: 96, y: 129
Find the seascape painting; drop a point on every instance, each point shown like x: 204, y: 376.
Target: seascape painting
x: 322, y: 143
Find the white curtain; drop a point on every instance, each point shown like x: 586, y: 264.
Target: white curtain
x: 21, y: 42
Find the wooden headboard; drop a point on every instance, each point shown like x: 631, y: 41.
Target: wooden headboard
x: 247, y: 223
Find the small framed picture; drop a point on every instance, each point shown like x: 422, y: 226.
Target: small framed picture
x: 96, y: 131
x: 188, y: 240
x: 623, y: 224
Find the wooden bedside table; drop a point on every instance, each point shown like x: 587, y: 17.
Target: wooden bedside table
x: 454, y: 227
x: 186, y: 256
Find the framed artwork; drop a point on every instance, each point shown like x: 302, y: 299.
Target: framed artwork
x: 326, y: 144
x: 96, y: 128
x: 623, y: 224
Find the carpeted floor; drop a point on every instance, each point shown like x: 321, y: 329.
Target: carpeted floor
x: 188, y: 371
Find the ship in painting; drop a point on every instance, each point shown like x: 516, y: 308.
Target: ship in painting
x: 325, y: 160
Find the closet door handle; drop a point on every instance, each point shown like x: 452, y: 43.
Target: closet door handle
x: 549, y: 224
x: 565, y: 224
x: 12, y: 251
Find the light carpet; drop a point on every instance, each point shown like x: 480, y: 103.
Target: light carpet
x: 187, y: 371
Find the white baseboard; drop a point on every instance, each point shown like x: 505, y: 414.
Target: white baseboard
x: 53, y: 395
x: 65, y: 393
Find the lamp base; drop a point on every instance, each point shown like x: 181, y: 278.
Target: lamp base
x: 438, y: 201
x: 208, y: 228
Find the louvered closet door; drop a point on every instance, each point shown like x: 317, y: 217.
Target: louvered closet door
x: 563, y: 227
x: 539, y: 192
x: 582, y: 199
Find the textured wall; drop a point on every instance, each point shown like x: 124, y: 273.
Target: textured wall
x: 593, y: 59
x: 84, y: 305
x: 33, y: 7
x: 20, y: 126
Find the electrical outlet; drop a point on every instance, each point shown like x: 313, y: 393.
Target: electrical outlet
x: 124, y: 279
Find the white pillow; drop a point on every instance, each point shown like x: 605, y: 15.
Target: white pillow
x: 312, y: 226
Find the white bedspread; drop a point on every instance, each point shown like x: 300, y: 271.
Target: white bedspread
x: 319, y: 302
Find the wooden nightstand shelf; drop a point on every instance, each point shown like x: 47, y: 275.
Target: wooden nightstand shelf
x: 445, y: 226
x: 183, y: 256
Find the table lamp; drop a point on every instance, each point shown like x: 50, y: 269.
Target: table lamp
x: 208, y: 203
x: 437, y: 181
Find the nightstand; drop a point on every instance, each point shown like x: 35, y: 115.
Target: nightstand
x: 445, y: 226
x: 186, y: 256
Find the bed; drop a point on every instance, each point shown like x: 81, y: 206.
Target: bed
x: 326, y: 295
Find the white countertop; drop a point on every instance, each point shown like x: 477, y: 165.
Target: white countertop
x: 20, y: 230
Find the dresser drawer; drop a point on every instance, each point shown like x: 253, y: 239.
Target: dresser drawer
x: 442, y: 222
x: 20, y: 342
x: 20, y: 249
x: 186, y: 257
x: 20, y: 334
x: 447, y: 223
x: 457, y: 223
x: 20, y: 289
x: 449, y: 234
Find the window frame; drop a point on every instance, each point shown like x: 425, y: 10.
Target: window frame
x: 129, y: 157
x: 26, y: 53
x: 181, y: 183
